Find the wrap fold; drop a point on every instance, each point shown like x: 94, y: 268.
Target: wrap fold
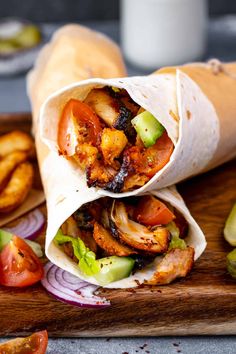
x: 76, y: 53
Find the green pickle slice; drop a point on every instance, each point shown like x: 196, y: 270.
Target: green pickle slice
x: 27, y: 37
x: 230, y: 227
x: 231, y: 263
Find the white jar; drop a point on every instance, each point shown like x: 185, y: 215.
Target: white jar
x: 163, y: 32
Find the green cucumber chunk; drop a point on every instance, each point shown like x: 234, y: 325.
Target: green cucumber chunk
x: 230, y: 227
x: 148, y: 128
x: 5, y: 237
x: 176, y: 241
x: 113, y: 268
x: 231, y: 263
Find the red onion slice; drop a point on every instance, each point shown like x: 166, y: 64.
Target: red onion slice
x: 29, y: 225
x: 70, y: 289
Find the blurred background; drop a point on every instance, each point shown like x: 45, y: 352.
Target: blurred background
x: 84, y: 10
x: 196, y: 30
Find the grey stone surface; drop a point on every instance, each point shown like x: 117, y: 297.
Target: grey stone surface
x: 162, y: 345
x: 222, y: 39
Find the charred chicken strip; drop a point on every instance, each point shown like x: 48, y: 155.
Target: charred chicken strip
x: 107, y: 242
x: 99, y: 175
x: 137, y: 235
x: 177, y: 263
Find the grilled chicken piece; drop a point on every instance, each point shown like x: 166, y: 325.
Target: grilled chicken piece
x: 177, y: 263
x: 108, y: 243
x: 112, y: 109
x: 71, y: 228
x: 134, y: 181
x: 87, y: 238
x: 113, y: 143
x: 86, y: 155
x: 99, y: 175
x: 105, y: 106
x: 130, y: 155
x: 132, y: 106
x: 139, y: 236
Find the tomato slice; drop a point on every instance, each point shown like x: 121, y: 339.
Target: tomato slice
x: 151, y: 211
x: 78, y: 124
x: 19, y: 265
x: 157, y: 156
x: 35, y: 344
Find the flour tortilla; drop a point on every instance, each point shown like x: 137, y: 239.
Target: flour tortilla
x: 64, y: 184
x: 176, y: 101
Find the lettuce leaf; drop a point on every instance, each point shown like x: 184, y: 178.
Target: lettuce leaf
x: 176, y: 241
x: 87, y: 259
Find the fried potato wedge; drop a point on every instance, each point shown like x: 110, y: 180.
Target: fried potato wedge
x: 8, y: 165
x: 16, y: 141
x: 17, y: 188
x: 177, y: 263
x: 109, y: 244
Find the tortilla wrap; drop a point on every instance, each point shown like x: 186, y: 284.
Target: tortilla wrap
x: 65, y: 187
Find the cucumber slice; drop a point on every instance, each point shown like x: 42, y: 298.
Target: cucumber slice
x: 148, y: 128
x: 230, y: 227
x: 113, y: 268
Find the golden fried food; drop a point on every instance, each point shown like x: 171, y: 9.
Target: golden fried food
x: 8, y: 165
x: 177, y: 263
x: 16, y: 141
x: 113, y: 142
x: 107, y: 242
x: 17, y: 188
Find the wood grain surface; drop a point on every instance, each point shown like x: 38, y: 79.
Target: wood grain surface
x: 203, y: 303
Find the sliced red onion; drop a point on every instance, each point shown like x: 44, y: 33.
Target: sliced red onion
x: 29, y: 225
x: 70, y: 289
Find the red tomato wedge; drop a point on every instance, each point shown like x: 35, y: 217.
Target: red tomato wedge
x: 35, y: 344
x: 151, y: 211
x: 157, y: 156
x: 19, y: 265
x: 78, y: 122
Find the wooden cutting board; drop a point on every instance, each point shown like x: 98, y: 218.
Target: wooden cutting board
x: 203, y: 303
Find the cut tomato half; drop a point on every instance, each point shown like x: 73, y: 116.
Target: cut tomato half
x: 35, y: 344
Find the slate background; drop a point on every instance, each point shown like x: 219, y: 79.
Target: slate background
x: 81, y: 10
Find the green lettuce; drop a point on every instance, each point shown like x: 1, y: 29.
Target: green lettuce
x: 87, y: 259
x: 176, y: 241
